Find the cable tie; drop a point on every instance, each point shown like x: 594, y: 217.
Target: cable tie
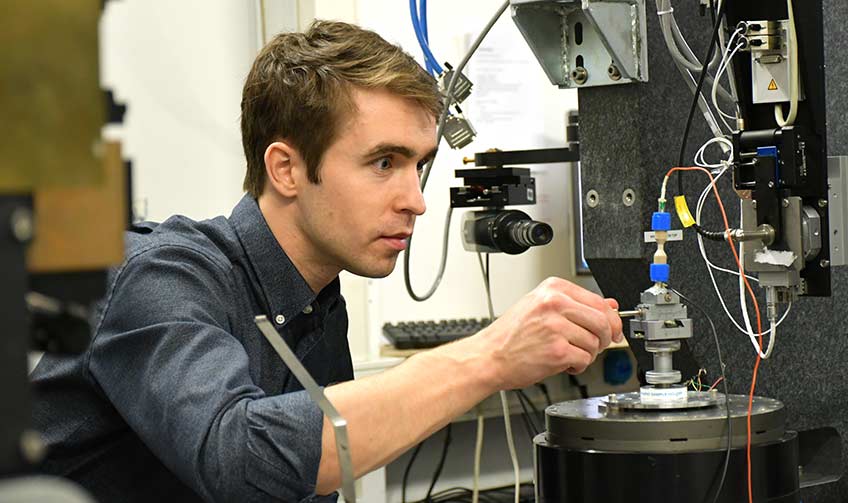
x: 665, y: 12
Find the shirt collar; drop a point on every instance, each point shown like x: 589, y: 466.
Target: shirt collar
x: 286, y: 291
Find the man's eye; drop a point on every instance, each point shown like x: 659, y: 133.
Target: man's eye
x: 383, y: 163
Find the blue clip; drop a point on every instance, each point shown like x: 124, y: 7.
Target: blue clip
x: 770, y: 151
x: 661, y: 221
x: 660, y: 272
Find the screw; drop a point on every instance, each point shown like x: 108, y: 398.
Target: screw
x: 22, y: 224
x: 612, y: 398
x: 667, y: 297
x: 754, y: 204
x: 579, y: 75
x: 822, y: 203
x: 824, y: 263
x: 771, y: 185
x: 613, y: 72
x: 32, y: 446
x: 786, y: 203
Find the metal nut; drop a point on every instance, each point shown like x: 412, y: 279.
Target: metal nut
x: 579, y: 75
x: 613, y: 72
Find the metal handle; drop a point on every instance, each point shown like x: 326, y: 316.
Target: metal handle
x: 317, y: 395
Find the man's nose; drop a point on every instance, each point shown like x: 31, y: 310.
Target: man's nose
x: 412, y: 199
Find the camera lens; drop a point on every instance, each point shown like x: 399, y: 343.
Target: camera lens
x: 507, y: 231
x: 530, y: 233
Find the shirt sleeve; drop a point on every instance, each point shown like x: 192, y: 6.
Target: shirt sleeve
x: 163, y: 355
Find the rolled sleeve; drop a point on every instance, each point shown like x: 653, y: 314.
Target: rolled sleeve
x: 163, y: 355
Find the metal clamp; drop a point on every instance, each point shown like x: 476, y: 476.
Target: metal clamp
x: 317, y: 395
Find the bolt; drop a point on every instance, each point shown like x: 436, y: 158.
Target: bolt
x: 824, y: 263
x: 612, y: 398
x: 22, y: 224
x: 771, y: 184
x: 786, y: 203
x: 613, y: 72
x: 32, y: 446
x: 822, y: 203
x: 579, y: 75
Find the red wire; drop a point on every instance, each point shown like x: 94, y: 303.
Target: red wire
x: 756, y: 309
x: 715, y: 383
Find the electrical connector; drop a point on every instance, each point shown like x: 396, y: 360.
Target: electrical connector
x: 462, y: 87
x: 458, y: 131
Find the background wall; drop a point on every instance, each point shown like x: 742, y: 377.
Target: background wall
x: 180, y: 67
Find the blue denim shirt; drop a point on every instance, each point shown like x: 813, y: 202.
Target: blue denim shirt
x: 179, y: 397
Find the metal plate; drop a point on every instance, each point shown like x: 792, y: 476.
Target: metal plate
x: 633, y: 401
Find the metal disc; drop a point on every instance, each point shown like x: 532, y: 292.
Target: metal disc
x: 584, y: 424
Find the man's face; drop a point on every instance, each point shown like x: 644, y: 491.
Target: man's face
x: 360, y: 215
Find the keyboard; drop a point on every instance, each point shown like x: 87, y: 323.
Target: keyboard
x: 429, y: 334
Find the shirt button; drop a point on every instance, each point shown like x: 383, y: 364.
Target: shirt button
x: 280, y: 319
x: 307, y: 309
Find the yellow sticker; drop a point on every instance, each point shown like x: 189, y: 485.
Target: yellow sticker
x: 772, y: 85
x: 683, y: 212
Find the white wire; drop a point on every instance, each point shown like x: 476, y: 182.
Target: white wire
x: 511, y: 444
x: 478, y: 450
x: 727, y: 57
x: 795, y: 79
x: 699, y: 160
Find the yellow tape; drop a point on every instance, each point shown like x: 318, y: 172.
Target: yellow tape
x: 683, y: 212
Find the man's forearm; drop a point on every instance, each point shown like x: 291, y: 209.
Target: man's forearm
x: 389, y: 412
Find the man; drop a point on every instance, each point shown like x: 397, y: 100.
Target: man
x: 180, y: 397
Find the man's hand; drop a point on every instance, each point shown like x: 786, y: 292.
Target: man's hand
x: 558, y: 327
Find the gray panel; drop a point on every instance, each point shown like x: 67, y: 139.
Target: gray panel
x: 630, y: 135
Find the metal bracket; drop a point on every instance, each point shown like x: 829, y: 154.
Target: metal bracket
x: 317, y: 395
x: 586, y: 43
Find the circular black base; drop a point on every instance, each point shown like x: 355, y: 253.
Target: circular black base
x: 588, y: 476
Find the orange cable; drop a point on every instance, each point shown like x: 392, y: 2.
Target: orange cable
x: 756, y: 309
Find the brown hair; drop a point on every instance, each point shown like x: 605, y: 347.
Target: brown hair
x: 299, y: 89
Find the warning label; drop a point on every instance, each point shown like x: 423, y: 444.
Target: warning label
x: 772, y: 85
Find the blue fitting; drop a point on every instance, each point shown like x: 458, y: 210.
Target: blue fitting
x: 661, y: 221
x: 660, y: 272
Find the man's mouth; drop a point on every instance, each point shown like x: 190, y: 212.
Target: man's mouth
x: 397, y: 241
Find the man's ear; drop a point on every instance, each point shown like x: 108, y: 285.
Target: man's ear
x: 282, y: 166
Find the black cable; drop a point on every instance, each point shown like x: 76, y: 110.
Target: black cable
x: 724, y: 382
x: 529, y: 424
x: 441, y: 465
x: 713, y: 42
x: 544, y: 387
x: 407, y: 470
x: 584, y: 391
